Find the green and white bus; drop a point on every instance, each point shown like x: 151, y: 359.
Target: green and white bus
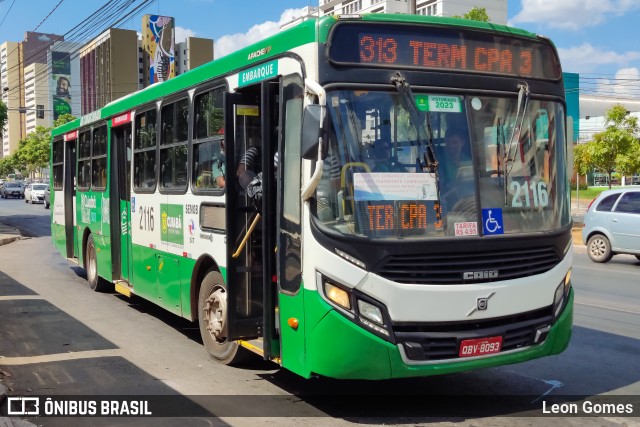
x: 380, y: 247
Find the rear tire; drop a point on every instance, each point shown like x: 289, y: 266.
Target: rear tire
x: 599, y: 248
x: 91, y: 266
x: 212, y: 319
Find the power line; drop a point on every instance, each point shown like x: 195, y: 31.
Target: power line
x: 86, y: 29
x: 47, y: 17
x: 8, y: 10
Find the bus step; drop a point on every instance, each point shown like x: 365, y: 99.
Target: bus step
x: 123, y: 287
x: 73, y: 260
x: 254, y: 345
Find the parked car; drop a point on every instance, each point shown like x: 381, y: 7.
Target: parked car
x: 47, y: 198
x: 12, y: 189
x: 612, y: 224
x: 35, y: 193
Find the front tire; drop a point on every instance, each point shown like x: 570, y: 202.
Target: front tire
x: 91, y: 266
x: 46, y: 205
x: 599, y: 248
x: 637, y: 257
x: 212, y: 319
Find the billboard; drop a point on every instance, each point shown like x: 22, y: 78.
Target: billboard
x: 158, y: 44
x: 61, y: 83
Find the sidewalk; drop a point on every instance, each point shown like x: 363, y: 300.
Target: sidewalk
x: 8, y: 235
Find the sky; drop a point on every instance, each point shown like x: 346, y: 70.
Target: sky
x: 599, y: 39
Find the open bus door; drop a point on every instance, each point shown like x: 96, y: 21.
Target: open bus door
x: 251, y: 119
x: 120, y: 197
x: 69, y: 191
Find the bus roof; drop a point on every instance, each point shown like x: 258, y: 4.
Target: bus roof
x: 314, y: 29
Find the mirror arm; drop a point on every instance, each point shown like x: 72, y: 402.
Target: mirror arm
x: 314, y: 88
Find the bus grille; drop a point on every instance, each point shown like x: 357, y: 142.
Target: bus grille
x: 423, y: 342
x: 448, y: 268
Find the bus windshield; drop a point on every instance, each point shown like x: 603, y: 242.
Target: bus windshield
x: 500, y: 166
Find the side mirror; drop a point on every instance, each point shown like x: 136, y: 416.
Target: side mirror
x: 311, y: 128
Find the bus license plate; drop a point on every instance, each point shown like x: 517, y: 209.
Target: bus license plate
x: 480, y: 346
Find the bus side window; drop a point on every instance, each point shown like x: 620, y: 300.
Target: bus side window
x: 144, y: 151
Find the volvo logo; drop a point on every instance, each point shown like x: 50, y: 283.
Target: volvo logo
x: 481, y: 304
x: 479, y: 275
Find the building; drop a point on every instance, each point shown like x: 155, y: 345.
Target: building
x: 158, y: 48
x: 36, y: 97
x: 496, y: 9
x: 10, y: 71
x: 19, y: 62
x: 192, y: 53
x: 108, y: 68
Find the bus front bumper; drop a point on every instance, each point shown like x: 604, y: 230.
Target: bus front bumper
x: 338, y: 348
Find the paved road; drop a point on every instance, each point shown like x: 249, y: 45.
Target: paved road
x: 59, y: 338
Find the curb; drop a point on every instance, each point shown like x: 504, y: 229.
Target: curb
x: 8, y: 234
x: 7, y: 240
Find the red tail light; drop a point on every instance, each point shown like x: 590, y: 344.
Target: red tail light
x: 590, y: 203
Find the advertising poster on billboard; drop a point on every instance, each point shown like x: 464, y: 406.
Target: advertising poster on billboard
x: 159, y: 45
x: 61, y: 83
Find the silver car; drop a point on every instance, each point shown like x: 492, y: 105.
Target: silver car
x: 612, y: 224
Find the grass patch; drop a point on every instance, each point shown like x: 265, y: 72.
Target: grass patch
x: 590, y: 193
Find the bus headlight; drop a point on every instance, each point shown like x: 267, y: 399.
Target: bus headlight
x: 337, y: 295
x: 371, y: 317
x: 370, y: 312
x: 560, y: 294
x: 359, y: 308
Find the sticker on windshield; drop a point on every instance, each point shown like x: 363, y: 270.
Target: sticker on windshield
x: 441, y: 103
x: 394, y: 186
x: 466, y: 228
x: 492, y: 221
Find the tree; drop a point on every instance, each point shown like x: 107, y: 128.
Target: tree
x: 3, y: 116
x: 475, y: 14
x: 6, y: 166
x: 33, y: 151
x: 62, y: 119
x: 615, y: 148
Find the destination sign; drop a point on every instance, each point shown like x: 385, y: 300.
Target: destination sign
x: 385, y: 218
x: 443, y: 48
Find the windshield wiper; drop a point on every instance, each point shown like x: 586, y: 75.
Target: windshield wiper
x: 510, y: 153
x: 406, y: 96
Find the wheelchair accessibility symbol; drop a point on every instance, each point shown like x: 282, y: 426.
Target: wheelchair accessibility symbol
x: 492, y: 221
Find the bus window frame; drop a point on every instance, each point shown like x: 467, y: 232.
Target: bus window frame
x: 194, y: 140
x: 94, y: 157
x: 57, y: 142
x: 80, y: 160
x: 172, y: 100
x: 140, y: 112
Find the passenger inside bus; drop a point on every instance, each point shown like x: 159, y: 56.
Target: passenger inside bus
x: 218, y: 166
x: 378, y: 157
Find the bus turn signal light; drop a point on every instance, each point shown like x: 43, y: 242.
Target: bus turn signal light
x: 293, y: 323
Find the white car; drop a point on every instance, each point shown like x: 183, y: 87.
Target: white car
x: 35, y: 193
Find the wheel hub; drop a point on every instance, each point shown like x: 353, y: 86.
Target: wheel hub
x: 216, y: 313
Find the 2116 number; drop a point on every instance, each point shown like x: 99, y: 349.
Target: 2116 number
x: 146, y: 218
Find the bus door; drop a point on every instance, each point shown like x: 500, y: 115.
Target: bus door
x: 70, y: 220
x: 250, y: 121
x: 120, y: 197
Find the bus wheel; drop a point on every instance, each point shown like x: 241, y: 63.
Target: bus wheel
x: 212, y: 317
x: 91, y: 266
